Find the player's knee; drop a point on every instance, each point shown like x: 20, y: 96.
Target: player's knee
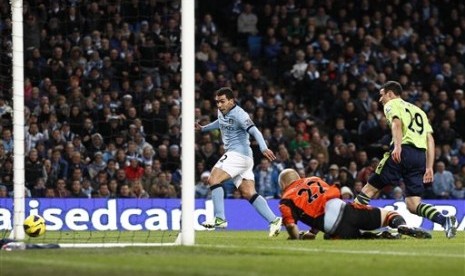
x: 247, y: 192
x: 412, y: 203
x: 394, y: 219
x: 412, y: 208
x: 212, y: 182
x: 247, y: 189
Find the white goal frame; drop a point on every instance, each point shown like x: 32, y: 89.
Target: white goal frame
x: 18, y: 119
x: 187, y: 234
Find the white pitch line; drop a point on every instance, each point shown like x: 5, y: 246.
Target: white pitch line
x: 342, y: 251
x: 111, y: 245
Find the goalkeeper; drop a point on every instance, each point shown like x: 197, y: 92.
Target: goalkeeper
x: 317, y: 204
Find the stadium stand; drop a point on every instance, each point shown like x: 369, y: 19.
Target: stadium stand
x: 103, y: 96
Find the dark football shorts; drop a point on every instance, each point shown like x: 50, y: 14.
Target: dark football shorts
x: 357, y: 217
x: 410, y: 169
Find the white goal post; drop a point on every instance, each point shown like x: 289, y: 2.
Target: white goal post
x: 187, y: 234
x: 18, y: 119
x: 188, y: 121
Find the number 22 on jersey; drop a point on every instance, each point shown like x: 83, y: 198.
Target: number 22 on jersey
x: 312, y: 189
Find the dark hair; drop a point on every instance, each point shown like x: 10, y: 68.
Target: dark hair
x: 225, y: 91
x: 394, y: 86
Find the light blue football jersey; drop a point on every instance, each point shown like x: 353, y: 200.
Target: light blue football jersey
x: 234, y: 126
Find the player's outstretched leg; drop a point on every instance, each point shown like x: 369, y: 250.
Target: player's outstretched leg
x: 218, y: 205
x: 260, y: 204
x: 430, y: 212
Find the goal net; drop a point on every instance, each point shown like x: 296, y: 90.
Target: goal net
x: 101, y: 87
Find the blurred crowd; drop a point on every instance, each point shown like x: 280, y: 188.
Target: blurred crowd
x: 103, y: 99
x: 309, y: 74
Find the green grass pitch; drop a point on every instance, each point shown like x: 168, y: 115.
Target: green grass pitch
x: 240, y: 253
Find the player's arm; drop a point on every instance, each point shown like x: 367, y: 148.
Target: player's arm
x: 253, y: 130
x: 288, y: 220
x: 396, y: 129
x: 291, y: 225
x: 293, y: 231
x: 308, y: 235
x: 211, y: 126
x: 295, y: 234
x: 428, y: 176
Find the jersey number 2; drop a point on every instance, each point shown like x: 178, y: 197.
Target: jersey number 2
x: 224, y: 158
x: 416, y: 122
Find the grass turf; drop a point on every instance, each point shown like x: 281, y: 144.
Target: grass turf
x: 240, y: 253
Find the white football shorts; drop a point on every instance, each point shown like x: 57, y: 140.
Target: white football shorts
x: 334, y: 209
x: 238, y: 166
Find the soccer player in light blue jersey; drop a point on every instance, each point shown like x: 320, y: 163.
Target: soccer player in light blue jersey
x: 237, y: 161
x: 411, y: 157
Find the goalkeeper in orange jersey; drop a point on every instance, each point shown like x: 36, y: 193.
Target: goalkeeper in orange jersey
x: 319, y: 205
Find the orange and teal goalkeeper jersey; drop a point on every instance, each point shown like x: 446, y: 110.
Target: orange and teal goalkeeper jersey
x: 305, y: 200
x: 415, y: 125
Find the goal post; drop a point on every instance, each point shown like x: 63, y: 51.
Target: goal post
x: 187, y: 233
x: 18, y: 119
x: 188, y: 121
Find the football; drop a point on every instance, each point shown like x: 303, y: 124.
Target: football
x: 34, y: 226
